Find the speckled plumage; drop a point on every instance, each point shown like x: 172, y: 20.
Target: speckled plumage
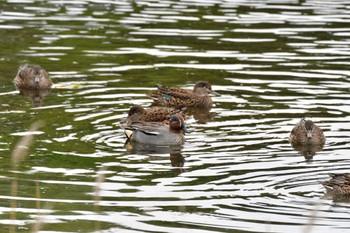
x: 32, y: 77
x: 171, y: 96
x: 157, y: 133
x: 152, y: 114
x: 306, y: 133
x: 338, y: 184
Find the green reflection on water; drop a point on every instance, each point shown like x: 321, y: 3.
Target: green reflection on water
x: 80, y: 123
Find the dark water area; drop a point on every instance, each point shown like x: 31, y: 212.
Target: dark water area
x: 273, y: 62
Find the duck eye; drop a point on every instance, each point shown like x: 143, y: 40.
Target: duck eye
x: 173, y: 119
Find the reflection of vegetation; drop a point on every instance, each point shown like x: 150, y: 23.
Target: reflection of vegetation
x: 22, y: 148
x: 19, y: 153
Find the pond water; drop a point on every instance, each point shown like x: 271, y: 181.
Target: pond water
x: 273, y: 62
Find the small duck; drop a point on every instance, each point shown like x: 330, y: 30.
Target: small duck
x: 153, y: 114
x: 338, y: 184
x: 172, y: 96
x: 306, y: 133
x: 32, y: 77
x: 157, y: 133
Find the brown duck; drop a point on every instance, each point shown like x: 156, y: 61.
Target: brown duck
x: 32, y: 77
x: 172, y: 96
x: 152, y: 114
x: 306, y: 133
x: 338, y: 184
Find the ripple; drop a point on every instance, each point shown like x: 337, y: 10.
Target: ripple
x: 273, y: 62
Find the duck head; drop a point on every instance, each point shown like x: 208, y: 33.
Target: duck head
x: 204, y: 88
x: 37, y: 74
x: 309, y: 126
x: 177, y: 124
x: 136, y: 109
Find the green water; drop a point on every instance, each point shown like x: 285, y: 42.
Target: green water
x: 273, y: 62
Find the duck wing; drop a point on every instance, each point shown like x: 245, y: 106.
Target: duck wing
x: 161, y: 114
x: 175, y: 92
x: 149, y: 128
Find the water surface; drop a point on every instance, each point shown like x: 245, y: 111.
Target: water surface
x: 273, y: 62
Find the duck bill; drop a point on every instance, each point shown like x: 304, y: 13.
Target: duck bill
x: 123, y: 121
x: 37, y: 79
x: 185, y: 129
x: 309, y: 134
x: 214, y: 93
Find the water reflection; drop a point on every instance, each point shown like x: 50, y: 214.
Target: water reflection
x: 308, y: 151
x: 274, y: 61
x: 200, y: 114
x: 177, y: 160
x: 337, y: 197
x: 158, y: 152
x: 37, y: 97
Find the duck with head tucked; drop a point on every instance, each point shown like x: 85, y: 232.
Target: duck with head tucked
x: 157, y: 133
x: 32, y: 77
x: 153, y: 114
x: 306, y: 133
x: 338, y: 184
x: 177, y: 97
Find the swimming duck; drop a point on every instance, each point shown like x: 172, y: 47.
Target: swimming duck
x: 157, y: 133
x: 172, y: 96
x: 32, y: 77
x: 306, y: 133
x: 153, y: 114
x: 338, y: 184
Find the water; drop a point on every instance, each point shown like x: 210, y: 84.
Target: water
x: 272, y: 61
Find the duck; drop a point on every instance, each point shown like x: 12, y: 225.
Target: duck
x: 306, y: 132
x: 338, y: 184
x: 152, y: 114
x: 200, y: 96
x: 32, y: 77
x: 157, y: 133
